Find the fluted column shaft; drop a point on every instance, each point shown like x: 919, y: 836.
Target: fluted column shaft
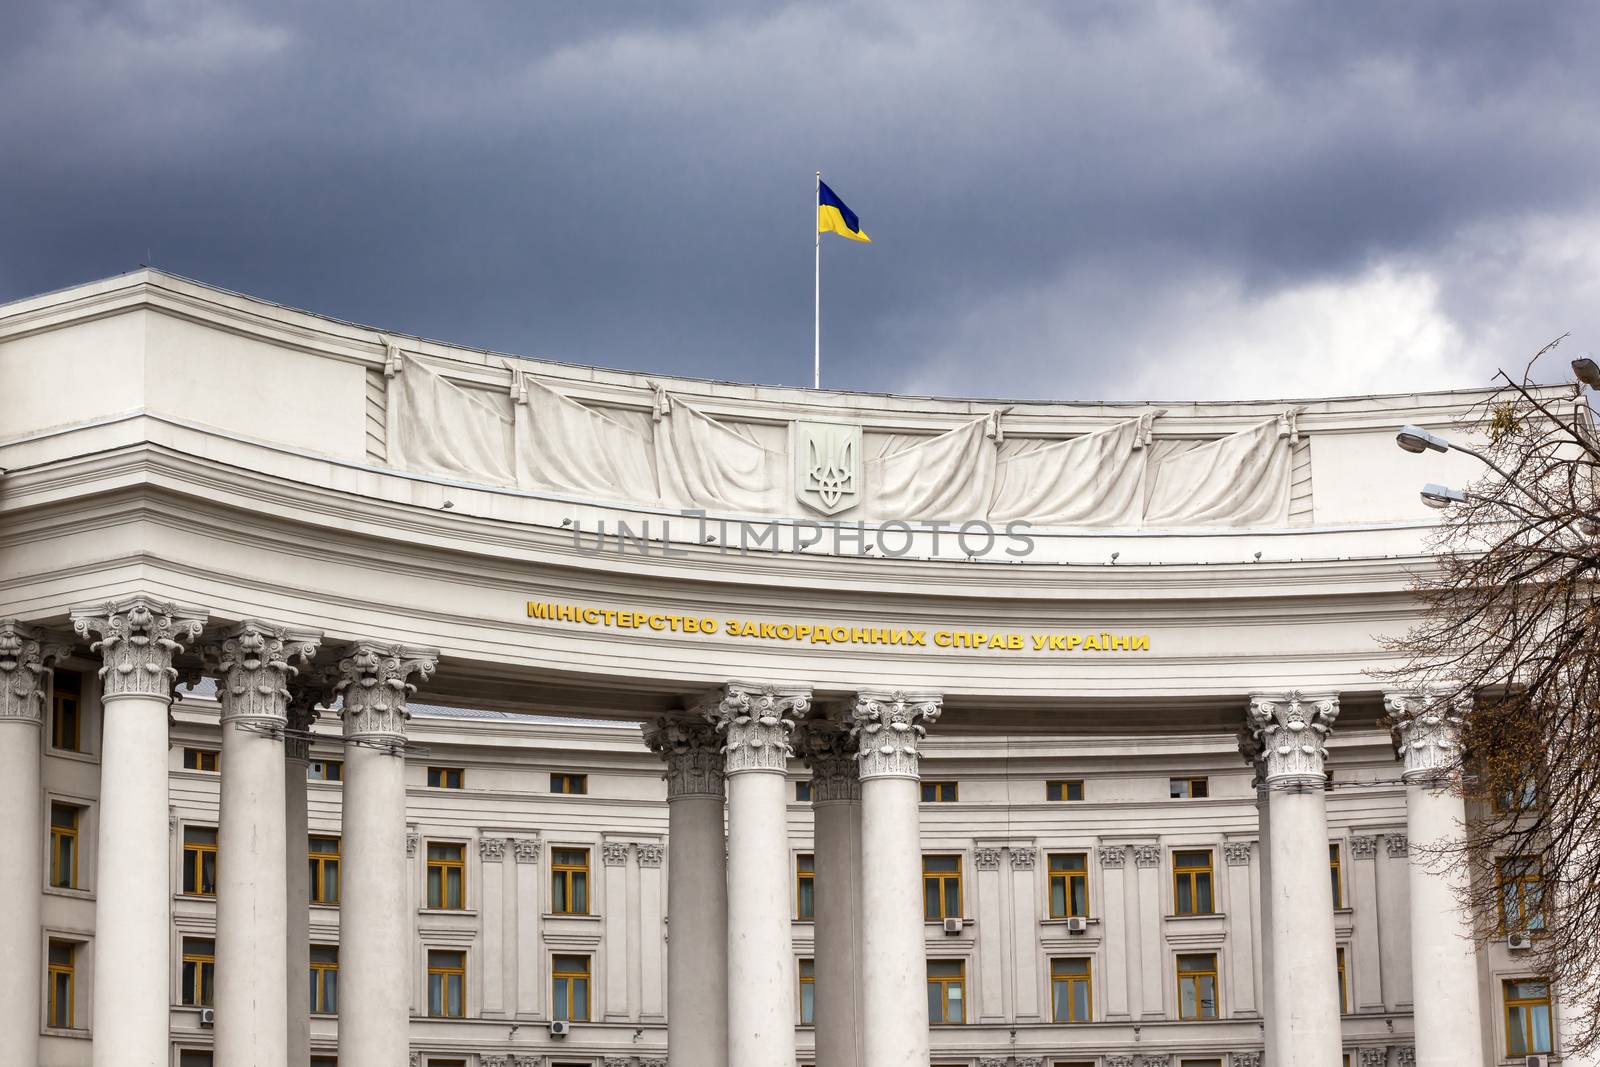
x: 133, y: 903
x: 836, y: 810
x: 894, y: 968
x: 697, y: 893
x: 1444, y: 967
x: 1271, y: 1020
x: 297, y: 879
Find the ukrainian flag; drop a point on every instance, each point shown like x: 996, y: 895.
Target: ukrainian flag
x: 834, y: 217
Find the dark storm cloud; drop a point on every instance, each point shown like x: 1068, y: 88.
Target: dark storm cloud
x: 1066, y: 199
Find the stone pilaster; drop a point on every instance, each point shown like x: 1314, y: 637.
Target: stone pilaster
x: 826, y: 746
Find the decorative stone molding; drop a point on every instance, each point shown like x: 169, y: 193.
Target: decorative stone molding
x: 1427, y: 734
x: 254, y: 663
x: 652, y: 1061
x: 614, y: 853
x: 887, y: 729
x: 825, y: 745
x: 495, y: 1061
x: 25, y: 658
x: 373, y: 681
x: 1113, y: 856
x: 986, y: 859
x: 1024, y: 859
x: 312, y: 687
x: 755, y: 723
x: 992, y: 1061
x: 1363, y: 848
x: 1030, y: 1061
x: 1373, y: 1057
x: 1406, y: 1056
x: 1291, y: 731
x: 138, y: 639
x: 618, y: 1061
x: 693, y: 754
x: 1250, y: 1058
x: 1119, y: 1061
x: 1398, y: 845
x: 535, y: 1061
x: 1236, y: 853
x: 411, y: 844
x: 650, y: 853
x: 492, y: 849
x: 1147, y: 855
x: 1156, y: 1059
x: 526, y: 849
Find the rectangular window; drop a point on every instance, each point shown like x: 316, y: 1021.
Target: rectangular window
x: 569, y: 881
x: 201, y: 759
x: 569, y: 783
x: 66, y: 713
x: 199, y: 974
x: 1527, y: 1016
x: 445, y: 777
x: 1333, y: 871
x: 802, y: 792
x: 323, y: 854
x: 1191, y: 882
x: 1188, y: 788
x: 447, y: 984
x: 62, y: 977
x: 1521, y: 895
x: 64, y: 845
x: 808, y: 992
x: 200, y: 861
x: 194, y: 1058
x: 939, y: 792
x: 570, y: 988
x: 941, y: 887
x: 325, y: 770
x: 1197, y: 986
x: 325, y: 979
x: 947, y: 992
x: 805, y: 886
x: 1068, y: 789
x: 1516, y: 801
x: 1069, y: 884
x: 1071, y: 990
x: 447, y: 874
x: 1344, y: 978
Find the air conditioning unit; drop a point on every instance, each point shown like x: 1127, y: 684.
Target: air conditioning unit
x: 1520, y: 942
x: 560, y: 1028
x: 1077, y: 924
x: 953, y: 926
x: 208, y: 1017
x: 1536, y: 1061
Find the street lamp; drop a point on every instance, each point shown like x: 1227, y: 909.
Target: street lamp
x: 1417, y: 440
x: 1442, y: 496
x: 1587, y: 371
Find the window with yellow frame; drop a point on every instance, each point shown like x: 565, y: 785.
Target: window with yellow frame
x: 569, y: 881
x: 200, y: 861
x: 1191, y: 882
x: 61, y: 980
x: 198, y: 972
x: 201, y: 759
x: 1066, y: 789
x: 570, y: 988
x: 941, y: 887
x: 1335, y: 872
x: 805, y: 886
x: 1521, y: 892
x: 1527, y: 1005
x: 569, y: 783
x: 447, y: 983
x: 66, y: 711
x: 447, y: 876
x: 323, y: 858
x: 940, y: 792
x: 1071, y: 990
x: 1344, y: 980
x: 1069, y: 884
x: 808, y: 992
x: 325, y: 979
x: 947, y: 992
x: 64, y: 820
x: 1197, y: 986
x: 446, y: 777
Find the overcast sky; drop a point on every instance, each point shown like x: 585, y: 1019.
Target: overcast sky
x: 1067, y: 200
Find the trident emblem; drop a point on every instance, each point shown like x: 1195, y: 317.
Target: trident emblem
x: 827, y: 465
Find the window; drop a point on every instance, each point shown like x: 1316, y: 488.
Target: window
x: 1188, y: 788
x: 200, y: 861
x: 1527, y: 1016
x: 1333, y: 871
x: 325, y: 979
x: 569, y: 783
x: 59, y: 993
x: 947, y: 992
x: 447, y: 984
x: 938, y: 792
x: 447, y: 872
x: 199, y: 973
x: 1191, y: 882
x: 808, y: 992
x: 445, y: 777
x: 570, y: 988
x: 1344, y: 989
x: 1197, y: 986
x: 324, y: 858
x: 805, y: 886
x: 1070, y: 789
x: 802, y: 792
x: 201, y: 759
x: 66, y: 716
x: 194, y: 1058
x: 941, y: 887
x: 325, y: 770
x: 324, y: 1061
x: 64, y: 846
x: 1069, y: 884
x: 1521, y: 894
x: 569, y: 881
x: 1071, y: 991
x: 1516, y: 800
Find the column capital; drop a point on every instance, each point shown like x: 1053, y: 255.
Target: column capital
x: 1363, y: 847
x: 26, y: 655
x: 254, y: 663
x: 692, y: 752
x: 372, y: 678
x: 1427, y: 733
x: 825, y: 746
x: 888, y: 728
x: 137, y: 639
x: 312, y: 687
x: 1288, y: 733
x: 755, y: 722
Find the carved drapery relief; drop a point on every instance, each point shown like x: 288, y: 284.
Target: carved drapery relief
x: 137, y: 640
x: 1427, y: 734
x: 491, y: 849
x: 1292, y: 732
x: 755, y: 723
x: 1113, y: 855
x: 1363, y: 848
x: 526, y: 849
x: 1147, y: 855
x: 692, y: 752
x: 25, y: 659
x: 888, y: 727
x: 254, y: 662
x: 986, y: 859
x: 1236, y: 853
x: 826, y: 747
x: 650, y: 853
x: 374, y: 681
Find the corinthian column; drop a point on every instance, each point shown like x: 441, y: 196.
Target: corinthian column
x: 755, y: 723
x: 25, y: 659
x: 305, y: 693
x: 836, y: 808
x: 697, y: 892
x: 1444, y: 966
x: 375, y: 923
x: 1286, y: 735
x: 133, y: 902
x: 888, y: 727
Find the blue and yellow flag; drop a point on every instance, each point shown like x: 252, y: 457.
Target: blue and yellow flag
x: 834, y: 217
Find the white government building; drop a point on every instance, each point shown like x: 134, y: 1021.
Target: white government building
x: 536, y: 715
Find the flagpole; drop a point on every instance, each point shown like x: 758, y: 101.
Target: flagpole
x: 816, y: 294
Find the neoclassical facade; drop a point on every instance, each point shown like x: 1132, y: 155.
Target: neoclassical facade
x: 757, y: 726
